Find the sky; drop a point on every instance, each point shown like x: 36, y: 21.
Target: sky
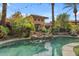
x: 43, y: 9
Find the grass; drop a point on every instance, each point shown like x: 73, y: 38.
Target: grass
x: 76, y: 50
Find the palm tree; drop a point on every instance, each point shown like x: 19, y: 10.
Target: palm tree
x: 4, y: 9
x: 0, y: 16
x: 72, y: 6
x: 63, y: 19
x: 52, y: 5
x: 61, y: 23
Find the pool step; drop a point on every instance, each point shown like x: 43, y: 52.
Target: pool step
x: 46, y: 53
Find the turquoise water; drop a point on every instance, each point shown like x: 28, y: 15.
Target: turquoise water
x: 59, y: 42
x: 22, y: 49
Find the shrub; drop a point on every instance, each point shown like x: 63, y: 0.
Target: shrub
x: 44, y: 30
x: 22, y: 27
x: 73, y: 28
x: 3, y: 31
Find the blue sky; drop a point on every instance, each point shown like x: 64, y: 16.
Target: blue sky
x: 37, y: 9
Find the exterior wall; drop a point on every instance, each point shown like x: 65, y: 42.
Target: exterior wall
x: 39, y: 21
x: 48, y: 25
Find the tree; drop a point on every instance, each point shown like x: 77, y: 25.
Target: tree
x: 52, y: 5
x: 61, y: 22
x: 17, y: 15
x: 4, y: 9
x: 0, y: 16
x: 72, y: 6
x: 21, y: 26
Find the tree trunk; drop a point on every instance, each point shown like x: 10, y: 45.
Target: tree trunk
x: 75, y: 13
x: 52, y: 4
x: 52, y: 12
x: 75, y: 18
x: 4, y: 9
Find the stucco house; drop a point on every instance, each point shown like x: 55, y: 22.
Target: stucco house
x: 38, y: 21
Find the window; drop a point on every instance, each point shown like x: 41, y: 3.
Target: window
x: 35, y: 19
x: 38, y: 19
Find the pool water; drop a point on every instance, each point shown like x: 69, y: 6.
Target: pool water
x: 59, y: 42
x: 22, y: 49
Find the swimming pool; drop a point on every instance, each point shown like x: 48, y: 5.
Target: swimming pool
x: 26, y: 48
x: 58, y: 42
x: 21, y: 48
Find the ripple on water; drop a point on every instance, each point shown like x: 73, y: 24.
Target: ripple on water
x: 22, y: 50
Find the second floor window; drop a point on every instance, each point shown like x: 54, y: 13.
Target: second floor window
x: 38, y: 19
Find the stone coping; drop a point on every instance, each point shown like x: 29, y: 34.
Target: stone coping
x: 34, y: 38
x: 67, y: 49
x: 48, y: 37
x: 26, y: 39
x: 11, y: 40
x: 63, y: 36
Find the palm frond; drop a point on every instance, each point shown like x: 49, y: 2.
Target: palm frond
x: 68, y: 10
x: 69, y: 4
x: 67, y: 7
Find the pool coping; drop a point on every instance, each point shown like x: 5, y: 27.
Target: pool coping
x: 67, y: 49
x: 29, y: 38
x: 34, y: 38
x: 14, y: 39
